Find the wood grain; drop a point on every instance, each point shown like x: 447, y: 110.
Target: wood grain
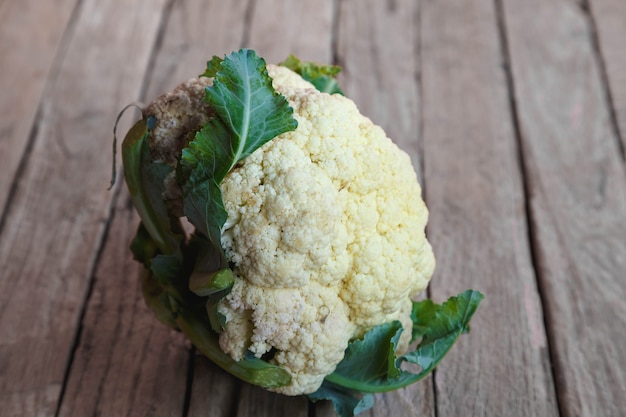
x: 255, y: 401
x: 213, y: 392
x: 126, y: 362
x: 577, y: 184
x: 378, y: 49
x: 27, y: 60
x: 55, y: 222
x: 609, y: 20
x: 278, y: 28
x: 478, y: 227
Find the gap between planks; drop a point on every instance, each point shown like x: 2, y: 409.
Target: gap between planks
x: 504, y: 44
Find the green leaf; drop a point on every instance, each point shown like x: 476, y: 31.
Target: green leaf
x: 202, y: 197
x: 322, y: 76
x: 213, y: 66
x: 216, y: 319
x: 441, y: 325
x: 207, y: 284
x: 143, y: 246
x: 249, y: 114
x: 369, y: 364
x: 211, y: 278
x: 157, y: 299
x: 422, y: 314
x: 372, y: 357
x: 347, y: 403
x: 244, y: 99
x: 167, y: 269
x: 144, y: 179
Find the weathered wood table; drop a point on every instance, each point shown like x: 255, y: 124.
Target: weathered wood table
x: 514, y: 113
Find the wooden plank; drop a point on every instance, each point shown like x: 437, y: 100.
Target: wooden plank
x: 278, y: 28
x: 415, y: 400
x: 214, y: 392
x: 255, y: 401
x: 377, y: 47
x: 478, y: 227
x: 609, y: 17
x: 577, y: 185
x: 56, y: 219
x: 127, y: 363
x: 26, y: 63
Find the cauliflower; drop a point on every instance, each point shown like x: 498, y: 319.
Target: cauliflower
x: 326, y: 233
x: 308, y: 243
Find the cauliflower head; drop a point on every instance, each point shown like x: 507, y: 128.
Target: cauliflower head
x: 325, y: 233
x: 283, y: 233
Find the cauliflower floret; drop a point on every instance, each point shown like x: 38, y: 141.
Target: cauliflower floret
x: 308, y: 329
x: 266, y: 216
x: 326, y: 234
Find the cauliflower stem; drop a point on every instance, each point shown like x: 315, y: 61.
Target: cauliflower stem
x: 307, y: 244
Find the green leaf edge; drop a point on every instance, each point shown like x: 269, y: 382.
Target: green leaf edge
x: 347, y: 403
x: 322, y: 76
x: 133, y: 146
x: 407, y: 378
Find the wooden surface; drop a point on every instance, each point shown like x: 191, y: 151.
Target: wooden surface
x: 514, y: 113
